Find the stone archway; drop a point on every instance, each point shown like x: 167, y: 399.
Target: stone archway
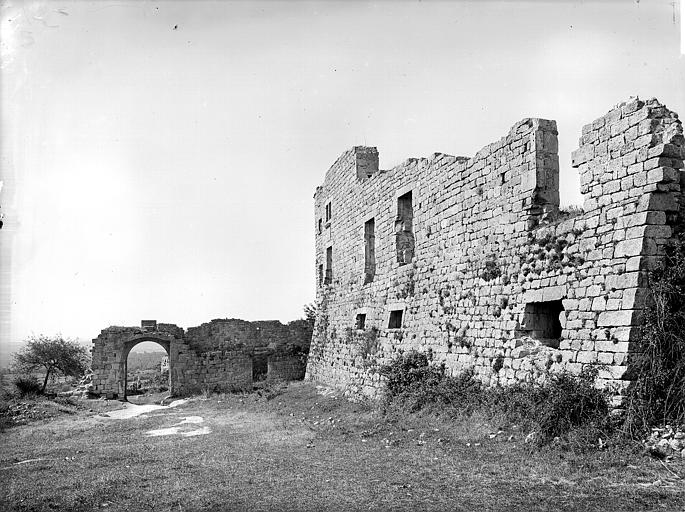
x: 110, y: 356
x: 130, y: 345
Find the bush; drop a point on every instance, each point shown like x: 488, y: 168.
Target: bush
x: 6, y: 420
x: 406, y: 372
x: 563, y: 405
x: 414, y: 384
x: 566, y: 402
x: 27, y: 385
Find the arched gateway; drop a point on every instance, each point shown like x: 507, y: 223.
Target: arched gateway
x: 128, y: 346
x: 222, y: 355
x: 189, y: 370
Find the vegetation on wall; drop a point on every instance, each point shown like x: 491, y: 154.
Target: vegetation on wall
x: 367, y: 343
x: 567, y: 406
x: 657, y: 393
x: 491, y: 269
x: 566, y: 213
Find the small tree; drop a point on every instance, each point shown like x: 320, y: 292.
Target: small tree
x: 310, y: 311
x: 56, y: 355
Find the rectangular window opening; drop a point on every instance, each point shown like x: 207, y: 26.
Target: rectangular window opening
x: 329, y: 213
x: 320, y: 226
x: 321, y: 274
x: 404, y: 229
x: 395, y: 321
x: 329, y: 266
x: 369, y: 250
x: 541, y: 322
x: 360, y: 322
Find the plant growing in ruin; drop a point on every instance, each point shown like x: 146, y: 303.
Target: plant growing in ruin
x: 657, y: 393
x: 368, y: 342
x: 492, y: 269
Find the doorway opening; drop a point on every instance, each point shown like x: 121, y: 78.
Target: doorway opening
x: 147, y: 372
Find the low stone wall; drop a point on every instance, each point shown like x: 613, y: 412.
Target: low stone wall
x: 286, y: 367
x: 217, y: 371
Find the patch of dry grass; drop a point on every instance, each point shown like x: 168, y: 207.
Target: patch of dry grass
x: 299, y: 450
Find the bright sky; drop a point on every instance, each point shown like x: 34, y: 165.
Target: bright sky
x: 159, y: 158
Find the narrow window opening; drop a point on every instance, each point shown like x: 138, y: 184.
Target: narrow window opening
x: 404, y: 234
x: 360, y: 321
x: 541, y: 322
x: 502, y: 179
x: 395, y: 321
x: 329, y: 266
x: 320, y: 226
x: 321, y: 274
x: 329, y: 213
x: 369, y: 250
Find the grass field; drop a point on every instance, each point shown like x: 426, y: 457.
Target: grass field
x: 304, y: 450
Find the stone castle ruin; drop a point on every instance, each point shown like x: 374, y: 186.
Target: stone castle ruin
x: 471, y: 260
x: 221, y: 355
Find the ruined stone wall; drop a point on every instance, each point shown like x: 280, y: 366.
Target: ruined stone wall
x: 232, y: 332
x: 497, y: 279
x: 221, y: 355
x: 286, y: 367
x: 260, y: 339
x: 215, y: 371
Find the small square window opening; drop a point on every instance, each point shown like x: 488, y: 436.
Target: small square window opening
x: 395, y: 321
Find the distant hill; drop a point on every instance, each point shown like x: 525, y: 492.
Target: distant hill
x: 144, y: 360
x: 7, y: 350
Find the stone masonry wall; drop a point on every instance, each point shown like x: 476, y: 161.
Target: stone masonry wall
x: 215, y: 371
x: 260, y: 339
x: 217, y: 356
x: 497, y: 279
x: 286, y: 367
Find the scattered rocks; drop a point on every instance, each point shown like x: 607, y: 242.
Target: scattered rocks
x: 532, y: 437
x: 666, y: 442
x: 82, y: 389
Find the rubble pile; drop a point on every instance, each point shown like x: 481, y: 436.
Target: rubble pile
x: 666, y: 442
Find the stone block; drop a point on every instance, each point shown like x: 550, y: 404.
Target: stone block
x: 615, y: 318
x: 582, y: 155
x: 629, y: 248
x: 664, y: 202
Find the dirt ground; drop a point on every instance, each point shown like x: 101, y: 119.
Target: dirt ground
x: 304, y: 448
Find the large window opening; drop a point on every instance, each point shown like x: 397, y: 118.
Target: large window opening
x: 329, y: 266
x: 404, y: 234
x: 369, y: 250
x: 541, y: 322
x: 147, y: 372
x: 395, y: 321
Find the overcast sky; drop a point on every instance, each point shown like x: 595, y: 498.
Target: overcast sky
x: 159, y: 158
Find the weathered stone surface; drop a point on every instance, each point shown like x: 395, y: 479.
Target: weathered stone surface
x: 479, y: 271
x: 221, y: 355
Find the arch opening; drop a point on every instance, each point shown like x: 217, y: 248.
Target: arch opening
x: 146, y: 368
